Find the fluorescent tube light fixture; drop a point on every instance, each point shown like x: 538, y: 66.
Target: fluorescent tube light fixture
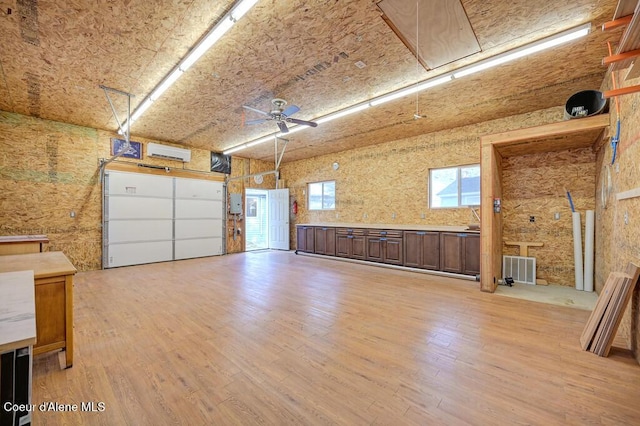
x: 165, y: 84
x: 520, y: 52
x: 214, y: 35
x: 242, y: 8
x: 343, y: 112
x: 238, y: 11
x: 410, y: 90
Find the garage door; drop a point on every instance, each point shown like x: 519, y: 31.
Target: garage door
x: 151, y: 218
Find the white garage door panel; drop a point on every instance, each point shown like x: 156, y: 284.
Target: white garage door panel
x: 156, y: 218
x: 140, y: 208
x: 140, y: 185
x: 198, y: 209
x: 197, y: 228
x: 138, y: 253
x: 139, y: 230
x: 193, y: 188
x: 186, y: 249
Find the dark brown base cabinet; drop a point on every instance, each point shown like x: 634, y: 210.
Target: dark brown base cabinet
x: 422, y: 249
x: 325, y: 241
x: 385, y: 246
x: 351, y: 243
x: 455, y: 252
x: 460, y: 253
x: 305, y: 239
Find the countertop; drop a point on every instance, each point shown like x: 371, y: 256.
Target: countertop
x: 16, y: 239
x: 17, y: 310
x: 43, y: 265
x: 402, y: 227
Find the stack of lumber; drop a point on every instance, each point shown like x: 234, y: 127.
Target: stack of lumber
x: 601, y: 328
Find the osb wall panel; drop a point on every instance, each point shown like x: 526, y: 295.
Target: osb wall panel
x: 534, y: 185
x: 387, y: 183
x: 617, y: 240
x: 245, y: 167
x: 49, y: 170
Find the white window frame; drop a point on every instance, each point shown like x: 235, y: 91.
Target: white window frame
x: 322, y: 202
x: 459, y: 180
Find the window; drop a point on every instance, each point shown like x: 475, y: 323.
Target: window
x: 322, y: 195
x: 252, y: 207
x: 454, y: 186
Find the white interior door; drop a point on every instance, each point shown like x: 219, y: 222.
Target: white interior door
x: 279, y: 219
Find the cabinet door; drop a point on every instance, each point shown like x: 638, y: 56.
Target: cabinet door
x: 412, y: 249
x: 430, y: 248
x: 329, y: 241
x: 319, y: 244
x: 471, y: 254
x: 359, y: 250
x: 343, y: 245
x: 374, y: 249
x: 310, y: 239
x: 393, y: 251
x: 301, y: 238
x: 451, y: 252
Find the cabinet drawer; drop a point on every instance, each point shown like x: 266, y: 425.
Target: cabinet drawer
x: 385, y: 233
x: 350, y: 231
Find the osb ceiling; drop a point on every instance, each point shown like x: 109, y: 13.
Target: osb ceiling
x: 55, y: 54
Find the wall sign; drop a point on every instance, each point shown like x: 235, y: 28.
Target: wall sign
x: 134, y: 151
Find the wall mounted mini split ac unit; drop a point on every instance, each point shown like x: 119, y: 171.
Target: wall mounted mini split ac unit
x: 168, y: 152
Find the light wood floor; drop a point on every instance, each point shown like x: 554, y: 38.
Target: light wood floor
x: 274, y: 338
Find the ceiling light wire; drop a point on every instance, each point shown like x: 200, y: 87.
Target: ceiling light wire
x: 417, y: 114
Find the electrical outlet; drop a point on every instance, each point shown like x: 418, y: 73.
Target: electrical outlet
x: 626, y: 218
x: 393, y: 215
x: 532, y: 219
x: 556, y: 215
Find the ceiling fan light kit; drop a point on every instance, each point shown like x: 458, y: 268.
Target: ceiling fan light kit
x: 280, y: 115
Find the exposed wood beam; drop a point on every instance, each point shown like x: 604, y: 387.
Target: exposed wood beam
x: 560, y: 128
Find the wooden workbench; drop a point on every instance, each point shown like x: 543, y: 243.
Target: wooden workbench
x: 53, y: 274
x: 22, y: 244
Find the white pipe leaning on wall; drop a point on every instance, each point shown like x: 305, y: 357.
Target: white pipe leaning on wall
x: 577, y: 250
x: 589, y: 229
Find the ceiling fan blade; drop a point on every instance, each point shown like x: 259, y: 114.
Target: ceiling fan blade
x: 306, y: 123
x: 283, y: 127
x: 256, y: 110
x: 290, y: 110
x: 258, y: 121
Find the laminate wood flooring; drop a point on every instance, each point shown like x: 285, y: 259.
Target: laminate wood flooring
x: 273, y: 338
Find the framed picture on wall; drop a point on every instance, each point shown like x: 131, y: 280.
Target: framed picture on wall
x: 134, y: 151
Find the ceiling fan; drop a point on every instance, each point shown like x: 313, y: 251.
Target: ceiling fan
x: 280, y: 115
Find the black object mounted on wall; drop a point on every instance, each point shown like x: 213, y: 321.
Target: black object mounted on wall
x: 220, y: 163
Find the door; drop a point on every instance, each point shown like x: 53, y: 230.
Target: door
x: 256, y: 224
x: 279, y: 219
x: 151, y: 218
